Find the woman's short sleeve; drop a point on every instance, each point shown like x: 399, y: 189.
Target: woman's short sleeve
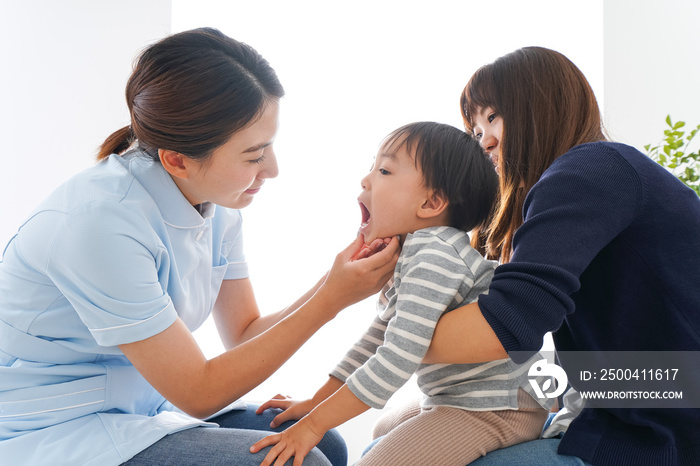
x: 107, y: 261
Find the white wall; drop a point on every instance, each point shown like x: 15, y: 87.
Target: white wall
x: 63, y: 70
x: 652, y: 67
x: 353, y: 72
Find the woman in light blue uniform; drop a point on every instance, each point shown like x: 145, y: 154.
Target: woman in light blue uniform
x: 102, y: 286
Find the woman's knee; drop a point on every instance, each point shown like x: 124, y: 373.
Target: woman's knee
x: 541, y: 451
x: 332, y: 445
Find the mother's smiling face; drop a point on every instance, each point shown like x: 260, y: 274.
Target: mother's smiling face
x: 488, y: 129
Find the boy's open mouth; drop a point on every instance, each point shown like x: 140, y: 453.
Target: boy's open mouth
x: 365, y: 215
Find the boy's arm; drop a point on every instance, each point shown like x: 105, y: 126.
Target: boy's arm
x: 296, y: 409
x: 342, y: 406
x: 432, y: 277
x: 357, y: 355
x: 363, y: 348
x: 300, y: 438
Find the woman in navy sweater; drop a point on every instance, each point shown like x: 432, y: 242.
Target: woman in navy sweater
x: 598, y: 244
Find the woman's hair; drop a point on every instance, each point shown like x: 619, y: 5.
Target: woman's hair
x: 454, y: 164
x: 547, y: 107
x: 190, y: 92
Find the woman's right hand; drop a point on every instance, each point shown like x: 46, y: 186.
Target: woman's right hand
x: 357, y: 273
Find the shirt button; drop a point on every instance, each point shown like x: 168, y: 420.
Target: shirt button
x: 199, y: 235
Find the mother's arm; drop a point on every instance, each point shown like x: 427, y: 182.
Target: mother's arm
x: 174, y: 364
x: 463, y: 336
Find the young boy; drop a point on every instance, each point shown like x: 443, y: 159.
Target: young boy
x: 430, y: 184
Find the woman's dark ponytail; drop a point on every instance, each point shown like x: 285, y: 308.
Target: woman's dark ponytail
x: 190, y: 92
x: 117, y: 143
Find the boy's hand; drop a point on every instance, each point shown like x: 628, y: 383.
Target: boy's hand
x: 296, y: 441
x: 293, y: 409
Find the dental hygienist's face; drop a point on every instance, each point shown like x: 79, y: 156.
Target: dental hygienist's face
x: 488, y: 129
x: 236, y: 170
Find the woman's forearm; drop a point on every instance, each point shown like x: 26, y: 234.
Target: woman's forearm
x: 174, y: 365
x: 463, y: 336
x: 264, y: 322
x: 250, y: 363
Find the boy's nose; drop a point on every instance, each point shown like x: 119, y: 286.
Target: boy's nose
x: 365, y: 182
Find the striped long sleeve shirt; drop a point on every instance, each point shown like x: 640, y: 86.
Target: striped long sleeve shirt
x: 437, y: 271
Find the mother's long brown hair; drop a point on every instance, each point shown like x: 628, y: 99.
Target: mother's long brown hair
x: 547, y: 107
x: 190, y: 92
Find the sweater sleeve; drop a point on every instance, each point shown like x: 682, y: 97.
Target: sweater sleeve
x: 584, y: 200
x: 430, y: 279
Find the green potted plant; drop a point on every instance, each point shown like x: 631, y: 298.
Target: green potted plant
x: 672, y: 152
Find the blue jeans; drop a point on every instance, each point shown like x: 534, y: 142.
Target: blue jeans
x: 230, y: 444
x: 535, y: 452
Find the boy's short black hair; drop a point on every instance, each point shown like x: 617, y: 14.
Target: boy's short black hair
x: 454, y: 164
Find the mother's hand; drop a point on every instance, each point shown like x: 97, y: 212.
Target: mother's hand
x: 360, y: 271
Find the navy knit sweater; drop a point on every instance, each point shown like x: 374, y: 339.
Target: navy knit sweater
x: 608, y: 258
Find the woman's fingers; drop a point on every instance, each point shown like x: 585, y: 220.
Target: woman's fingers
x: 354, y: 249
x: 385, y: 258
x: 350, y: 281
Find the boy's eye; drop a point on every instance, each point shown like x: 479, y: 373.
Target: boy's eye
x: 492, y: 117
x: 478, y: 136
x: 384, y: 171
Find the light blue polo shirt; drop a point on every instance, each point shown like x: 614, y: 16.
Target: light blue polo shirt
x: 113, y: 256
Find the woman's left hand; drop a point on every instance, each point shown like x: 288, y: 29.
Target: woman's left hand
x: 374, y: 247
x: 296, y: 441
x: 356, y: 275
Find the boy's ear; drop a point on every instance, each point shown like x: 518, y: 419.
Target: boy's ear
x: 435, y: 205
x: 174, y: 163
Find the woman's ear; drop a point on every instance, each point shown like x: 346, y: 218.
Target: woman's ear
x: 174, y: 163
x: 434, y: 206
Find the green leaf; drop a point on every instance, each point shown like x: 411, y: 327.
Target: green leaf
x: 668, y: 120
x: 667, y: 150
x: 679, y: 124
